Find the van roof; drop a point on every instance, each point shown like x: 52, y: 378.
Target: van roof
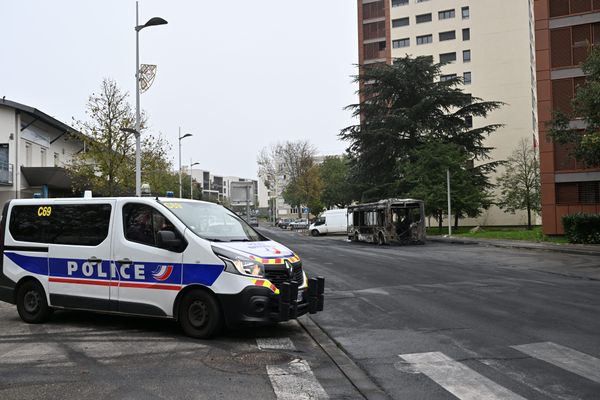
x: 85, y: 199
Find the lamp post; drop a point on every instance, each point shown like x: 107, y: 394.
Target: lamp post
x: 192, y: 179
x: 181, y: 137
x: 138, y: 146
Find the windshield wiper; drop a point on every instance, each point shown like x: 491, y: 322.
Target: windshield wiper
x: 213, y: 239
x: 241, y: 240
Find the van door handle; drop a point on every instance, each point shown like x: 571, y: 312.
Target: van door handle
x: 94, y: 260
x: 124, y: 261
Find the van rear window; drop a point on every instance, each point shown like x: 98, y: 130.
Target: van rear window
x: 74, y: 224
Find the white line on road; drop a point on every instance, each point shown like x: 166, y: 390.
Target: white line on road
x: 563, y: 357
x: 295, y: 381
x: 458, y: 379
x: 275, y: 344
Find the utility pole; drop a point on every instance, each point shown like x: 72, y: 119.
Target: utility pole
x: 449, y: 204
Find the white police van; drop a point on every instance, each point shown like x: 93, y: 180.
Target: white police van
x: 192, y: 261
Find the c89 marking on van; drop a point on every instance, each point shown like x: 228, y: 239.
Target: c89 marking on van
x: 192, y: 261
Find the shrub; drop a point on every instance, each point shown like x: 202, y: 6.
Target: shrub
x: 582, y: 228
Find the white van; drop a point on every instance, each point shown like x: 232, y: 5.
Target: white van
x: 330, y: 221
x: 192, y: 261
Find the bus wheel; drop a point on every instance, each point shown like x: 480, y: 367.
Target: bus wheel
x: 32, y: 304
x: 200, y: 315
x: 314, y: 232
x: 380, y: 239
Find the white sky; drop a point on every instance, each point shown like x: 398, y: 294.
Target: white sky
x: 239, y: 75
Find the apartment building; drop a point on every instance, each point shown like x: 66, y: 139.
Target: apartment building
x: 218, y: 187
x: 34, y: 148
x: 564, y: 31
x: 488, y: 43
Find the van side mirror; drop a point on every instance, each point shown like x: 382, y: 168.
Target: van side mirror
x: 169, y: 241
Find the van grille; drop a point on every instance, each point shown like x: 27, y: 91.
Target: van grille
x: 279, y: 274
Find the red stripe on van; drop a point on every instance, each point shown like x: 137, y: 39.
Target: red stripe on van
x: 115, y: 283
x: 84, y: 281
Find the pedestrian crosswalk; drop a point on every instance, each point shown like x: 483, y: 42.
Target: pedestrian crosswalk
x: 294, y: 380
x: 467, y: 384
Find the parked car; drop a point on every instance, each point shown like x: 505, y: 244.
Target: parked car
x: 301, y: 223
x: 284, y: 223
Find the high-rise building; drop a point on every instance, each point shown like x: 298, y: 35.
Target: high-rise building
x: 488, y: 43
x: 565, y: 29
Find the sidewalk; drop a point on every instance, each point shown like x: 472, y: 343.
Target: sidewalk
x: 584, y: 249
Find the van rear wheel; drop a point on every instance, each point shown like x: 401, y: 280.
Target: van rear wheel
x: 200, y: 315
x: 32, y: 305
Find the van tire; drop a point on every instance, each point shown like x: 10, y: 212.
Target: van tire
x: 200, y: 315
x: 32, y: 304
x: 314, y: 233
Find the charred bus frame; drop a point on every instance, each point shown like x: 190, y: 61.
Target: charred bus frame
x: 388, y: 221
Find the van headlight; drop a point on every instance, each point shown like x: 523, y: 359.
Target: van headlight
x: 236, y: 263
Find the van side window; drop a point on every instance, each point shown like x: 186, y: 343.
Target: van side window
x: 141, y: 224
x: 72, y: 224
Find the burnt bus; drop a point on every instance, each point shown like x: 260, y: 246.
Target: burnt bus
x: 387, y: 221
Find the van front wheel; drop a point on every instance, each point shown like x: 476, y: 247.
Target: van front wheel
x: 32, y: 304
x: 200, y: 315
x: 314, y: 232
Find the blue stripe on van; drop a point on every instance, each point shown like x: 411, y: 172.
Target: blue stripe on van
x: 204, y: 274
x: 35, y: 265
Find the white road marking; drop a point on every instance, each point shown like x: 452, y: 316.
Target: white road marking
x: 458, y: 379
x: 295, y: 381
x: 563, y: 357
x: 275, y: 344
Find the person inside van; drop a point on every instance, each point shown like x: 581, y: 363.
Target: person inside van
x: 141, y: 228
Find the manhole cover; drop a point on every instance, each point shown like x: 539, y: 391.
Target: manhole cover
x: 251, y: 363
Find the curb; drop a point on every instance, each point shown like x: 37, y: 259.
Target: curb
x: 517, y: 245
x: 357, y: 377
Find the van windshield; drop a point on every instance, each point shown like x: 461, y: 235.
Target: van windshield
x: 213, y: 222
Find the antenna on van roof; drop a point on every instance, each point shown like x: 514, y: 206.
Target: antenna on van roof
x: 87, y: 194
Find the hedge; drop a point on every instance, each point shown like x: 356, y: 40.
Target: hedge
x: 582, y: 228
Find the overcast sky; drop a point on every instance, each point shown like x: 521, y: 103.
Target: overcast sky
x: 239, y: 75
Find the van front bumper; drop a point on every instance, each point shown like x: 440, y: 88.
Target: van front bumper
x: 257, y: 305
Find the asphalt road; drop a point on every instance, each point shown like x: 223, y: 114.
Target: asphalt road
x: 444, y: 321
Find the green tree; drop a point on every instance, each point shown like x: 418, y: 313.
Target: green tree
x: 403, y: 106
x: 425, y: 175
x: 107, y: 165
x: 336, y: 188
x: 586, y: 106
x: 306, y: 190
x: 520, y: 182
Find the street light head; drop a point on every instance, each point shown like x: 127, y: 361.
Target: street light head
x: 129, y: 130
x: 196, y: 163
x: 152, y: 22
x: 186, y: 135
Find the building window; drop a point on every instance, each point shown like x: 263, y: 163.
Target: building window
x: 465, y: 12
x: 424, y: 39
x: 423, y: 18
x: 469, y: 121
x: 444, y: 78
x: 447, y: 57
x: 467, y: 78
x: 449, y: 35
x: 446, y: 14
x: 466, y: 34
x: 397, y: 23
x: 397, y: 3
x: 397, y: 44
x: 466, y: 55
x: 589, y: 192
x: 28, y: 154
x: 43, y: 157
x: 56, y: 160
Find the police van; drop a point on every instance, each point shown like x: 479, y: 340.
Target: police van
x: 192, y: 261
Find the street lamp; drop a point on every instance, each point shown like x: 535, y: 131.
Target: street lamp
x: 138, y: 146
x: 181, y: 137
x: 191, y: 179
